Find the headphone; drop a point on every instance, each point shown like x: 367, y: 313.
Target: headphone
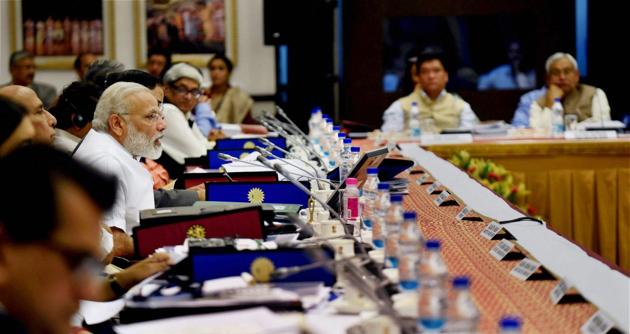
x: 78, y: 119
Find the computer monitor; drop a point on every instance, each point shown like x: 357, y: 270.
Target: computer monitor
x: 369, y: 159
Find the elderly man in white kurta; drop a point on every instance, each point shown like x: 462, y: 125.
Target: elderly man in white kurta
x: 128, y: 124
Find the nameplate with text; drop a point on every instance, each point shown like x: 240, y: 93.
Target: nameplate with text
x: 491, y: 230
x: 503, y: 248
x: 559, y: 291
x: 462, y: 214
x: 441, y: 198
x: 422, y: 179
x: 433, y: 187
x: 590, y: 134
x: 455, y: 138
x: 525, y: 268
x: 599, y: 323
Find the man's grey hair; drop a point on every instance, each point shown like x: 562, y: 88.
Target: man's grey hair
x: 18, y: 56
x: 115, y: 100
x: 558, y: 56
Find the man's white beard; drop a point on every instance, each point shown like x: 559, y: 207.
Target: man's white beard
x: 139, y: 144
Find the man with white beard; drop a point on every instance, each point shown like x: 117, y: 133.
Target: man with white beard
x: 128, y: 124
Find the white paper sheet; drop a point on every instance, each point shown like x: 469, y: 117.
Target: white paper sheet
x: 250, y: 321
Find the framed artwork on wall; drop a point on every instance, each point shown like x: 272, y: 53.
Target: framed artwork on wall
x: 192, y: 30
x: 57, y: 31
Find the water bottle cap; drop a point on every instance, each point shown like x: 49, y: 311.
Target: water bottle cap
x: 372, y: 170
x: 433, y: 244
x: 355, y: 149
x: 336, y: 127
x: 396, y: 199
x: 557, y: 99
x: 414, y: 104
x: 461, y: 282
x: 351, y: 181
x: 510, y: 322
x: 347, y: 141
x: 328, y: 120
x: 341, y: 135
x: 409, y: 215
x: 315, y: 110
x: 383, y: 186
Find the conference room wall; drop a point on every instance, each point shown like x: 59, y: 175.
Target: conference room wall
x: 255, y: 70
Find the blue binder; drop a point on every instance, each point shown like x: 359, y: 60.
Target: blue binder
x: 257, y: 192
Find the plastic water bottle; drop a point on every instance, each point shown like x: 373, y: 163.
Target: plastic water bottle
x: 432, y: 308
x: 433, y: 270
x: 339, y: 147
x: 409, y: 252
x: 368, y: 196
x: 463, y: 314
x: 510, y: 325
x: 381, y: 204
x: 356, y: 154
x: 345, y: 160
x: 414, y: 121
x: 351, y: 210
x: 314, y: 127
x: 557, y: 117
x: 393, y: 220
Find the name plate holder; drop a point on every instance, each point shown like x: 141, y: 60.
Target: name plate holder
x: 528, y: 269
x: 564, y: 293
x: 442, y: 199
x: 463, y: 215
x: 433, y: 187
x: 599, y: 323
x: 422, y: 179
x: 494, y: 231
x: 506, y: 250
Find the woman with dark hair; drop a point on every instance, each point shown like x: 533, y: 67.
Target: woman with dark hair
x: 230, y: 103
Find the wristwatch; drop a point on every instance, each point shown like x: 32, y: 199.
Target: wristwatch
x: 117, y: 289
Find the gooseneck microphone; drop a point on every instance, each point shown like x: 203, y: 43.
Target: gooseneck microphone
x: 227, y: 157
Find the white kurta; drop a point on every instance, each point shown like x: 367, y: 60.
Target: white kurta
x: 180, y: 140
x: 135, y: 184
x: 65, y: 141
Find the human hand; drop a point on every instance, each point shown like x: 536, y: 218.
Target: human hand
x: 140, y: 270
x: 253, y: 129
x: 201, y: 191
x: 553, y: 92
x: 216, y: 134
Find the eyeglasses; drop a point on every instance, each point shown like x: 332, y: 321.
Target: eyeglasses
x: 82, y: 264
x: 566, y: 71
x: 152, y: 117
x: 196, y: 93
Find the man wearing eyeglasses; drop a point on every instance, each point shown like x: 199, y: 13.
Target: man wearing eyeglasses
x: 182, y: 138
x: 128, y: 124
x: 588, y: 103
x: 46, y: 246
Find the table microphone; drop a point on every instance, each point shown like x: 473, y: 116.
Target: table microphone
x: 266, y: 153
x: 285, y: 116
x: 274, y: 146
x: 280, y: 169
x: 306, y: 148
x: 227, y: 157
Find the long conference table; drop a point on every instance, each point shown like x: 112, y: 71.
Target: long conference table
x: 495, y: 289
x: 581, y: 187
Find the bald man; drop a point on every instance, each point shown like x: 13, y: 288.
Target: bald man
x: 43, y: 122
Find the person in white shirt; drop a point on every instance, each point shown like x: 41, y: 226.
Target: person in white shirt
x: 434, y: 102
x: 182, y: 138
x: 563, y: 81
x: 74, y: 111
x: 128, y: 124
